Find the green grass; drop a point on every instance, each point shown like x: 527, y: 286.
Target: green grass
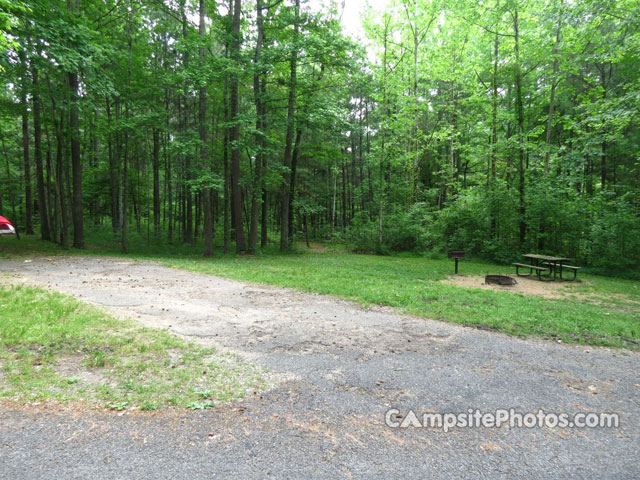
x: 53, y: 347
x: 598, y: 311
x: 412, y: 285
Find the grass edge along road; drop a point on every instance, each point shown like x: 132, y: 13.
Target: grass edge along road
x: 591, y: 314
x: 597, y: 310
x: 55, y: 348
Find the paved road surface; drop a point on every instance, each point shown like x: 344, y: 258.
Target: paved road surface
x: 344, y: 367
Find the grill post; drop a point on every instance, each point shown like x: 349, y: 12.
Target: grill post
x: 456, y: 255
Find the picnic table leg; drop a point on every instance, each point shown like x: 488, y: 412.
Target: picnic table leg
x: 551, y: 270
x: 575, y: 275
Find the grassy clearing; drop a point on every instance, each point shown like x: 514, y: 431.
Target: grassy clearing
x: 597, y: 311
x: 611, y: 315
x: 53, y: 347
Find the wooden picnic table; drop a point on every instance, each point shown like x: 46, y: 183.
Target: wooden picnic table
x: 544, y: 263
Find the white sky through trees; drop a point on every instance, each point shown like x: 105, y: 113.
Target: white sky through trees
x: 352, y: 14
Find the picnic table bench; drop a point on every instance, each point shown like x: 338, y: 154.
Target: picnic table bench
x: 544, y: 263
x: 538, y: 270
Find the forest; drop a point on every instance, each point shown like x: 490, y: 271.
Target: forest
x: 493, y: 126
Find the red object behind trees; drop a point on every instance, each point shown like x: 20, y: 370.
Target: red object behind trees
x: 6, y: 227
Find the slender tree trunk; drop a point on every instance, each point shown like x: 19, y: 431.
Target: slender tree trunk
x: 383, y: 132
x: 603, y: 144
x: 333, y: 203
x: 187, y: 218
x: 95, y: 147
x: 265, y: 213
x: 170, y: 206
x: 256, y: 190
x: 113, y: 170
x: 494, y: 138
x: 306, y: 228
x: 156, y: 181
x: 344, y: 197
x: 227, y: 186
x: 204, y: 147
x: 288, y: 148
x: 292, y: 181
x: 28, y: 220
x: 76, y: 165
x: 264, y: 216
x: 363, y: 202
x: 124, y: 201
x: 235, y: 133
x: 552, y: 100
x: 521, y: 145
x: 416, y: 127
x: 53, y: 226
x: 64, y: 215
x: 37, y: 146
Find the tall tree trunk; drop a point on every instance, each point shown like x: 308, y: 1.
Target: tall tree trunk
x: 28, y: 219
x: 363, y: 199
x: 603, y: 145
x: 114, y: 159
x: 225, y: 151
x: 227, y: 186
x: 383, y: 130
x: 169, y: 177
x: 187, y: 225
x: 37, y: 146
x: 494, y: 138
x: 61, y: 208
x: 256, y: 190
x: 552, y: 101
x: 416, y: 129
x: 95, y: 146
x: 62, y: 197
x: 344, y: 197
x: 603, y: 165
x: 264, y: 215
x: 204, y: 147
x: 124, y: 201
x: 53, y: 226
x: 333, y: 202
x: 288, y: 148
x: 521, y: 145
x: 76, y: 166
x: 292, y: 181
x: 156, y: 181
x: 235, y: 132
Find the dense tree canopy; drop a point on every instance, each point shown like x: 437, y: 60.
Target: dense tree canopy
x: 497, y: 126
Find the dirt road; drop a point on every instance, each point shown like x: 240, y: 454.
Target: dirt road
x: 344, y: 368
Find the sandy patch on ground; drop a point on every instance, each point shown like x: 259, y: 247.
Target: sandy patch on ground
x: 525, y: 285
x: 71, y: 366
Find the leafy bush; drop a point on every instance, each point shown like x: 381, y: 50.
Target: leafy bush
x: 601, y: 231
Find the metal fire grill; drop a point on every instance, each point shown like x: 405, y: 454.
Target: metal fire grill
x: 456, y: 255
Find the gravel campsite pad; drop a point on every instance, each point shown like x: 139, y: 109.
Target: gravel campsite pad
x: 340, y: 367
